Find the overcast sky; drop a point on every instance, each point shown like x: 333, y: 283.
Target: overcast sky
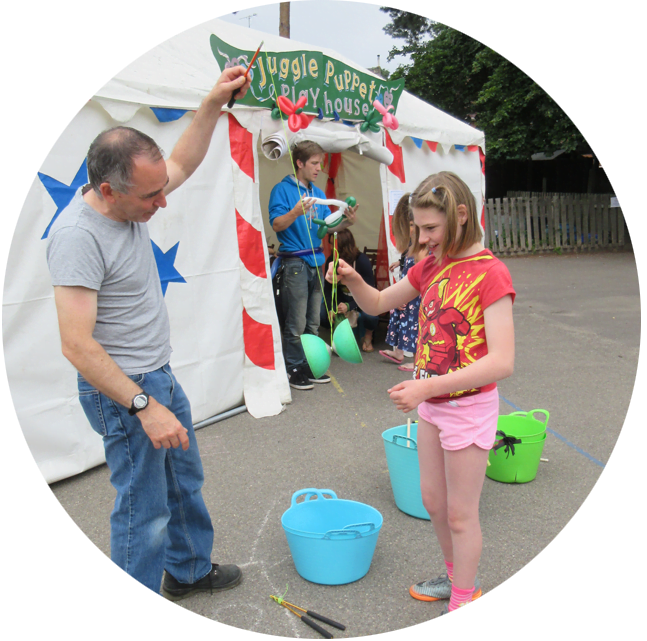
x: 335, y: 25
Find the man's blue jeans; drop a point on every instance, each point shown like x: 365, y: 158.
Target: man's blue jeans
x: 301, y: 300
x: 159, y: 519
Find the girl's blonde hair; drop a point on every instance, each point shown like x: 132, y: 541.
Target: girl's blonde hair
x: 445, y: 191
x: 402, y: 219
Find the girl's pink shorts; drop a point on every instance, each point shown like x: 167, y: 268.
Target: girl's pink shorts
x: 463, y: 421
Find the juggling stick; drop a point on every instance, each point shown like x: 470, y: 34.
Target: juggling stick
x: 320, y: 617
x: 322, y: 631
x: 232, y: 100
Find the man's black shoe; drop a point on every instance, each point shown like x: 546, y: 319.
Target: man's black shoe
x: 221, y: 577
x: 298, y: 379
x: 311, y: 377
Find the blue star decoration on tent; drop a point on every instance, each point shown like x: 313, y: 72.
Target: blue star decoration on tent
x: 62, y: 194
x: 165, y: 267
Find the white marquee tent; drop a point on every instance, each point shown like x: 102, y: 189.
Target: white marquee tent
x: 210, y: 242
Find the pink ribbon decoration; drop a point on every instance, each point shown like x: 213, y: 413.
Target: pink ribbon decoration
x: 296, y: 119
x: 388, y: 119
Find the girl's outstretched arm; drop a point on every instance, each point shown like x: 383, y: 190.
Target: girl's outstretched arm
x: 368, y: 298
x: 496, y: 365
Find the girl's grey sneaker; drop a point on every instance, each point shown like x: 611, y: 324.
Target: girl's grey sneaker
x: 221, y: 577
x: 438, y: 589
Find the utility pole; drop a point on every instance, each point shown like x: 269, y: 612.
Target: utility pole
x: 284, y: 20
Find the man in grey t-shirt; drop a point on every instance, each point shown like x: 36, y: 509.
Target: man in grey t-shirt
x: 115, y: 331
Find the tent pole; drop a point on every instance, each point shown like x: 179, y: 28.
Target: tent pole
x: 220, y: 417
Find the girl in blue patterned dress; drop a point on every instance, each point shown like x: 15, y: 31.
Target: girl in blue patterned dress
x: 402, y: 333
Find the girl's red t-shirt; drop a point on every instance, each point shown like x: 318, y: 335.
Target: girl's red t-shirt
x: 451, y: 329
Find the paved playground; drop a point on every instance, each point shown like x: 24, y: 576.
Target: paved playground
x: 577, y: 324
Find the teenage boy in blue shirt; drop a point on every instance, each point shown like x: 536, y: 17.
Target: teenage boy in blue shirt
x: 292, y: 209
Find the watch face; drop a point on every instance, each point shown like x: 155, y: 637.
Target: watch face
x: 140, y: 401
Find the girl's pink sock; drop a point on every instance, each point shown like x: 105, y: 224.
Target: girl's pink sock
x: 459, y: 597
x: 450, y: 569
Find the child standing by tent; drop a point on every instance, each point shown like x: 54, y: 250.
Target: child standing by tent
x: 465, y: 345
x: 402, y: 333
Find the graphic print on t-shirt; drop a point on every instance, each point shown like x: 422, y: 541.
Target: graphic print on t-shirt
x: 440, y: 331
x: 452, y: 332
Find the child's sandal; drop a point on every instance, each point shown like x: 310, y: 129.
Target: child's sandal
x: 384, y: 353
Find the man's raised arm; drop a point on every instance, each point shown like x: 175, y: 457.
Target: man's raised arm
x: 192, y: 146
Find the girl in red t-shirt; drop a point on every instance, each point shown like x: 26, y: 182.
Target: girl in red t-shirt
x: 465, y: 344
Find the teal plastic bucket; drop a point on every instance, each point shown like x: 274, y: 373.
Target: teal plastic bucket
x: 331, y: 540
x: 404, y: 470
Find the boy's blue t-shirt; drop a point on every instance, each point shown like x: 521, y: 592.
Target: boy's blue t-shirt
x: 302, y: 233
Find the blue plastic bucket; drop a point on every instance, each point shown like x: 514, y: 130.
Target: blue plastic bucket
x: 404, y: 470
x: 331, y: 540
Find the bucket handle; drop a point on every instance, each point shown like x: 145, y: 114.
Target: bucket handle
x: 370, y: 525
x: 310, y: 491
x: 356, y: 534
x: 406, y: 438
x: 531, y: 414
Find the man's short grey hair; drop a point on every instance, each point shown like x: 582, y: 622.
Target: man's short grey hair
x: 111, y: 157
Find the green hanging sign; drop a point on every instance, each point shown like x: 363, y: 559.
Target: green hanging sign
x: 332, y: 87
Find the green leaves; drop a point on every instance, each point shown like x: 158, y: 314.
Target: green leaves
x: 472, y: 82
x: 409, y: 26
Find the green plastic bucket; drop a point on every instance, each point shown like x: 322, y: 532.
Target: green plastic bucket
x: 517, y: 451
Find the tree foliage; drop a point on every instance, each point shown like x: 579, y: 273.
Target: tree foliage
x: 409, y: 26
x: 472, y: 82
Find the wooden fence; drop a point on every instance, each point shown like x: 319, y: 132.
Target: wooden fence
x: 526, y: 223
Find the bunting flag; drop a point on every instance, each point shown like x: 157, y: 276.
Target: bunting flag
x: 164, y: 114
x: 432, y: 145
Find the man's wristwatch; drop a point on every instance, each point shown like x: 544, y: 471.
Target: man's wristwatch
x: 139, y: 403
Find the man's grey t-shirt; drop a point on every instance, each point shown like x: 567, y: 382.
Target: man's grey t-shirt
x: 115, y: 258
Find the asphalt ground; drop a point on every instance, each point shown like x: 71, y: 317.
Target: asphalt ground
x: 577, y: 326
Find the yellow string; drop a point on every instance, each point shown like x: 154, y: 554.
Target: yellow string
x: 294, y: 171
